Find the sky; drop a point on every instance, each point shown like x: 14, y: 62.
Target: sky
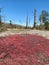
x: 17, y: 10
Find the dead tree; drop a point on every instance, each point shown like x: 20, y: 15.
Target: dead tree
x: 34, y: 18
x: 0, y: 18
x: 26, y: 22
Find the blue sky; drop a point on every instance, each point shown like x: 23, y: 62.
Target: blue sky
x: 17, y: 10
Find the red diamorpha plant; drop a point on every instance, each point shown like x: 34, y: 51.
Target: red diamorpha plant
x: 24, y: 50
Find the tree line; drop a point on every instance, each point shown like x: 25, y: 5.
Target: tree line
x: 43, y: 18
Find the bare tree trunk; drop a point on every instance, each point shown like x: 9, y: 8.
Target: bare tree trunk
x: 35, y: 18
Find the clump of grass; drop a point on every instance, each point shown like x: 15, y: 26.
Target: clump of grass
x: 2, y: 29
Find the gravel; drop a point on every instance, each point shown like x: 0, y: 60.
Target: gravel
x: 37, y: 32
